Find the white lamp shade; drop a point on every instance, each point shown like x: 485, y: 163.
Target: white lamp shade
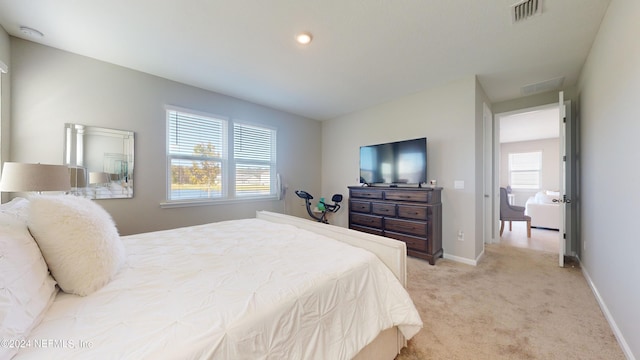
x: 18, y: 177
x: 96, y: 177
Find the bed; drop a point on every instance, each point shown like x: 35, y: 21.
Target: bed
x: 544, y: 211
x: 272, y: 287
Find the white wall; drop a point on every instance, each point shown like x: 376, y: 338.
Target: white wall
x: 447, y: 117
x: 5, y: 104
x: 480, y: 100
x: 52, y: 87
x: 550, y: 174
x: 609, y: 156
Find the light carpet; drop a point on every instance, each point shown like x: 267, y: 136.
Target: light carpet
x: 516, y: 304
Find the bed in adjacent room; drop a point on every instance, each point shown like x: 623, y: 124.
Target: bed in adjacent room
x: 544, y: 210
x: 273, y: 287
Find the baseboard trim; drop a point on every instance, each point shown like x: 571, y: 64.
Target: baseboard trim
x: 612, y: 323
x: 462, y: 259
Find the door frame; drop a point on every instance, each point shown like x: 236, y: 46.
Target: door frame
x: 490, y: 228
x: 571, y: 238
x: 568, y: 244
x: 562, y: 125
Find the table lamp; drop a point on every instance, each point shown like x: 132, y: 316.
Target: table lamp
x: 22, y: 177
x: 98, y: 177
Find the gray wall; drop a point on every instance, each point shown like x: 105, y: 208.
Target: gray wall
x: 447, y: 117
x: 550, y: 174
x: 52, y: 87
x: 609, y: 173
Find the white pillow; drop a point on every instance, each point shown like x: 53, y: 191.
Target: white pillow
x: 26, y: 288
x: 553, y: 195
x: 17, y: 207
x: 78, y: 240
x: 543, y: 198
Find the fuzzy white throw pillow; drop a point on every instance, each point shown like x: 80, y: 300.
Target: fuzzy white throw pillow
x: 78, y: 240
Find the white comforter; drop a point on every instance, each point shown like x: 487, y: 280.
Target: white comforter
x: 242, y: 289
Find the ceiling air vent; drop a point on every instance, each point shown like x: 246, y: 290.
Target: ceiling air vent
x: 525, y: 9
x: 547, y: 85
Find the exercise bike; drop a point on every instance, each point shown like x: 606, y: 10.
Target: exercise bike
x: 323, y: 208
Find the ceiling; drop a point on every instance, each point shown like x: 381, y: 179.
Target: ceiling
x: 364, y: 52
x: 530, y: 125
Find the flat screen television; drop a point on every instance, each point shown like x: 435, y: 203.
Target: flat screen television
x: 394, y: 163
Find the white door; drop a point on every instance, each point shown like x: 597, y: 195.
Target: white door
x: 561, y: 242
x: 489, y: 223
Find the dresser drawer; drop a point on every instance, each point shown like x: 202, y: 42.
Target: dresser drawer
x: 406, y: 226
x: 385, y: 209
x: 366, y: 220
x: 366, y: 194
x: 414, y: 212
x: 360, y: 206
x: 412, y: 242
x: 408, y: 214
x: 416, y: 196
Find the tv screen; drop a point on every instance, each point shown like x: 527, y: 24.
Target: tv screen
x: 400, y: 162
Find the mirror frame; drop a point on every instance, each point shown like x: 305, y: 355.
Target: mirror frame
x: 100, y: 161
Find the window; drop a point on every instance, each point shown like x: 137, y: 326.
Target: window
x: 213, y: 158
x: 254, y: 153
x: 524, y: 170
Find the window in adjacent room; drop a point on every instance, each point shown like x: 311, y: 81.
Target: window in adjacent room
x: 213, y: 158
x: 525, y: 169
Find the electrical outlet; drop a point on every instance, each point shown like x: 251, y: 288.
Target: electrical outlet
x: 460, y: 235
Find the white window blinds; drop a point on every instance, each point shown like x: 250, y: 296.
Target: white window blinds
x: 209, y: 160
x: 197, y: 156
x: 525, y: 169
x: 254, y: 155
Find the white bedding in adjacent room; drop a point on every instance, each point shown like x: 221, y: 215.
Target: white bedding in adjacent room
x: 242, y: 289
x: 544, y: 212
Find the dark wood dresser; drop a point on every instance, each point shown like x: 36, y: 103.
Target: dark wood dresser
x: 412, y: 215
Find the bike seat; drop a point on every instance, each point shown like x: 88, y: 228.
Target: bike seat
x: 303, y: 195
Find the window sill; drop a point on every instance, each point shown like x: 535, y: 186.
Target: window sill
x: 210, y: 202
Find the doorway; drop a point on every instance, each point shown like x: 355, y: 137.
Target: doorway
x: 527, y: 160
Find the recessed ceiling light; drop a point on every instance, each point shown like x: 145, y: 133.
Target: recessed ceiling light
x: 304, y: 38
x: 30, y: 32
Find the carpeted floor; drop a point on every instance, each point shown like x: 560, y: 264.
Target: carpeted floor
x: 516, y: 304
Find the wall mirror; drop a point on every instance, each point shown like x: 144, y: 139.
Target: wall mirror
x: 100, y: 161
